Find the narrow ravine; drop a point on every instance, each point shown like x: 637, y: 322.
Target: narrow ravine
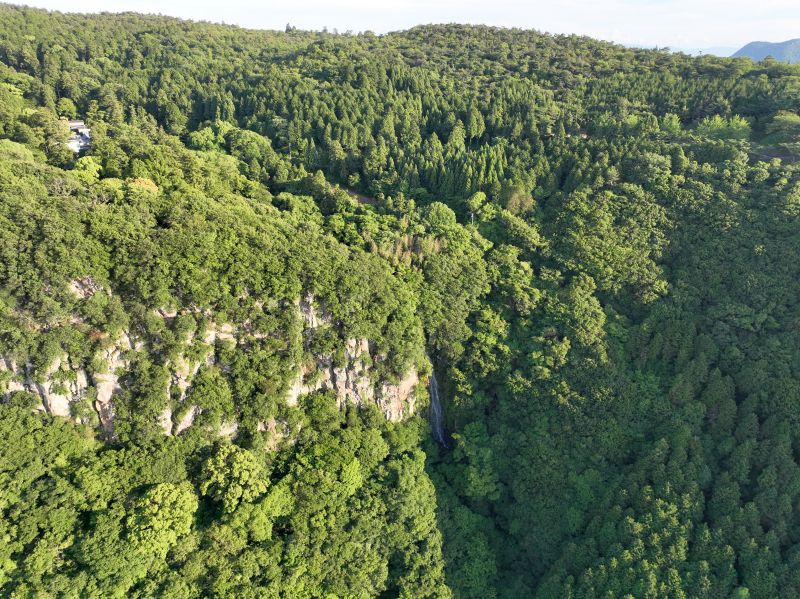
x: 436, y: 417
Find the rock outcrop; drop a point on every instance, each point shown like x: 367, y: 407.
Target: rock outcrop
x: 222, y: 331
x: 350, y: 375
x: 85, y: 287
x: 351, y: 381
x: 64, y: 384
x: 107, y: 382
x: 398, y: 400
x: 187, y: 420
x: 61, y: 385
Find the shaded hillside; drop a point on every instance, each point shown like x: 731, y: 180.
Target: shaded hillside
x: 788, y: 51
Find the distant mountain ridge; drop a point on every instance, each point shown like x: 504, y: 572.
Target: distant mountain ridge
x: 722, y: 51
x: 788, y: 51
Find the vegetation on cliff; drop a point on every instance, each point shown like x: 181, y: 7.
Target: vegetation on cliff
x: 593, y: 246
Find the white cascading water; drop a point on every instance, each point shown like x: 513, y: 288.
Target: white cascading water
x: 437, y: 420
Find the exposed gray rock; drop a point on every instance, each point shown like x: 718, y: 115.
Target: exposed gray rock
x: 350, y: 381
x: 16, y: 377
x: 182, y: 374
x: 312, y: 315
x: 228, y: 429
x: 222, y: 331
x: 54, y: 402
x: 165, y: 420
x: 84, y: 287
x: 187, y: 420
x: 107, y: 383
x: 55, y: 396
x: 398, y: 400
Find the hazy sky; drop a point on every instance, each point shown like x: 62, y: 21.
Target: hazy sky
x: 675, y: 23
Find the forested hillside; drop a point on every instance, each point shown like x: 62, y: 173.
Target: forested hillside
x: 219, y: 324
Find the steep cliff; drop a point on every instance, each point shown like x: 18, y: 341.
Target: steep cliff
x: 350, y: 377
x: 65, y: 388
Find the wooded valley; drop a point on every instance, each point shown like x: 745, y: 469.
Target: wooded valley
x: 219, y: 323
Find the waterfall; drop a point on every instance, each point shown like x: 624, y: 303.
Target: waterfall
x: 436, y: 418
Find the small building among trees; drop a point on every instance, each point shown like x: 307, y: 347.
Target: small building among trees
x: 80, y: 136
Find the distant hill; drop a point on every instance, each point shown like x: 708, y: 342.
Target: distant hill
x: 788, y: 51
x: 722, y: 51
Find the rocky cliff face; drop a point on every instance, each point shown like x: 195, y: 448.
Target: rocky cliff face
x: 65, y: 388
x: 351, y: 379
x: 106, y: 382
x: 55, y: 390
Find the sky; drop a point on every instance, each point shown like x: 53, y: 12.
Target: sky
x: 724, y: 25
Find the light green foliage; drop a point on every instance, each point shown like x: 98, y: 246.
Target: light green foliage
x: 440, y: 219
x: 785, y: 126
x: 66, y: 108
x: 130, y: 521
x: 233, y: 475
x: 161, y: 516
x: 87, y: 169
x: 671, y: 123
x: 212, y: 394
x: 720, y: 128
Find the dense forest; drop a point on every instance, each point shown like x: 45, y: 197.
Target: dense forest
x: 219, y: 324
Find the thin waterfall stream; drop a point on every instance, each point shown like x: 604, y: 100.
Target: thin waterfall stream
x: 436, y: 416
